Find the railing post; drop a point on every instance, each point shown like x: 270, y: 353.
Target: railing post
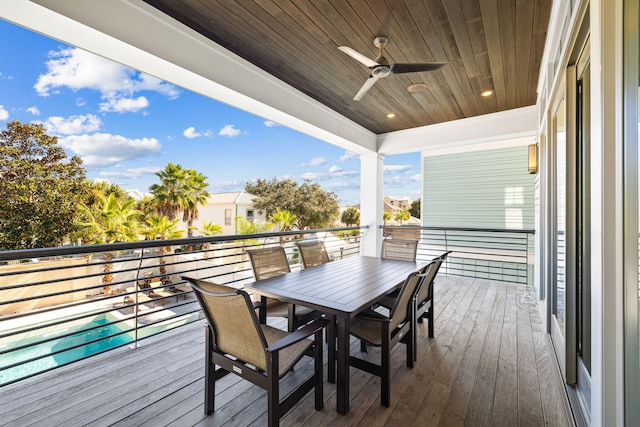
x: 134, y: 345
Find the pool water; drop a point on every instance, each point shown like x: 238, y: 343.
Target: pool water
x: 66, y: 356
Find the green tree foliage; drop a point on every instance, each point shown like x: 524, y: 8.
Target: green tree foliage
x: 414, y: 210
x: 109, y: 220
x: 403, y: 215
x: 103, y: 188
x: 162, y: 228
x: 40, y: 188
x: 313, y: 206
x: 350, y: 216
x: 180, y: 191
x: 209, y: 228
x: 170, y: 192
x: 284, y: 219
x: 245, y: 227
x: 386, y: 216
x: 195, y: 195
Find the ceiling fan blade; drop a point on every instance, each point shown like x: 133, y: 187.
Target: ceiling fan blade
x: 358, y: 56
x: 415, y: 68
x: 365, y: 87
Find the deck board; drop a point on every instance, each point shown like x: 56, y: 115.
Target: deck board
x: 489, y: 364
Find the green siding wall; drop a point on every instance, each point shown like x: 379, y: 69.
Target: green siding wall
x: 487, y: 189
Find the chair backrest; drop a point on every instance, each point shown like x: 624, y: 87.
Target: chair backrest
x: 233, y: 321
x: 312, y: 253
x: 403, y: 250
x: 430, y: 272
x: 268, y: 262
x: 400, y: 311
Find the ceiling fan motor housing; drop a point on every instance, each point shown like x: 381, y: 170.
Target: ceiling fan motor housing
x: 381, y: 71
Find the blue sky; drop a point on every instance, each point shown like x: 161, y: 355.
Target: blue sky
x: 126, y: 126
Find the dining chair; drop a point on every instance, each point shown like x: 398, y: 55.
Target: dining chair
x: 385, y: 332
x: 272, y: 262
x: 424, y: 299
x: 403, y: 250
x: 312, y: 253
x: 237, y: 343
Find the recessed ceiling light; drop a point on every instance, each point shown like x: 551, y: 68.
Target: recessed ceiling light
x: 487, y: 93
x: 391, y: 115
x: 417, y: 87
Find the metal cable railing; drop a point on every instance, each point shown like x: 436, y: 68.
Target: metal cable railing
x: 61, y: 305
x: 494, y: 254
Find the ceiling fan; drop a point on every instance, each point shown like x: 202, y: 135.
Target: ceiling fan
x: 381, y: 68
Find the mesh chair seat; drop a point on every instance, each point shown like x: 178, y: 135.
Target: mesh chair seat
x: 403, y: 250
x: 312, y: 253
x: 290, y: 355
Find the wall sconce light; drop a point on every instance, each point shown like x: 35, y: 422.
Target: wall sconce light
x: 533, y: 158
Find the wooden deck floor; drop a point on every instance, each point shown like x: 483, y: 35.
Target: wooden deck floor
x: 489, y: 364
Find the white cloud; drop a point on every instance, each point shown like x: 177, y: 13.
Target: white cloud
x: 417, y: 177
x: 78, y: 69
x: 313, y: 176
x: 347, y: 155
x: 103, y: 149
x: 396, y: 168
x: 72, y: 125
x: 334, y: 169
x: 131, y: 173
x: 191, y: 133
x: 270, y: 124
x: 4, y: 114
x: 33, y: 110
x: 316, y: 161
x: 136, y: 193
x: 230, y: 131
x: 124, y: 105
x: 333, y: 173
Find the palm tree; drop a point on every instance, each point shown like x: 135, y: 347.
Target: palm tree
x: 386, y: 216
x: 169, y: 194
x: 162, y: 228
x: 402, y: 216
x: 180, y: 191
x: 195, y: 194
x: 209, y: 228
x: 284, y: 219
x: 351, y: 216
x: 109, y: 220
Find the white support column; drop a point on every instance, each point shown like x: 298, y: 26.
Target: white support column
x: 371, y: 201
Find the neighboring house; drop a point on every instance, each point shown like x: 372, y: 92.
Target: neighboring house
x: 397, y: 204
x: 223, y: 208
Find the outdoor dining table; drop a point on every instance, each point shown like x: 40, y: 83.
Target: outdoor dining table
x: 339, y: 289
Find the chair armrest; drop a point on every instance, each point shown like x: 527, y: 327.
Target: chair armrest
x: 298, y: 335
x: 369, y: 314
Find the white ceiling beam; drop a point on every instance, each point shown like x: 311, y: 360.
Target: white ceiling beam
x: 505, y: 125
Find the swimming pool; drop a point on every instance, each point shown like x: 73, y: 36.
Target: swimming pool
x: 43, y: 351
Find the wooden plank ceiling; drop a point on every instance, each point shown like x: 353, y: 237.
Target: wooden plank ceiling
x: 489, y: 45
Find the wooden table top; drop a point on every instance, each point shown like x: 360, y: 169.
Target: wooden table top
x: 343, y: 287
